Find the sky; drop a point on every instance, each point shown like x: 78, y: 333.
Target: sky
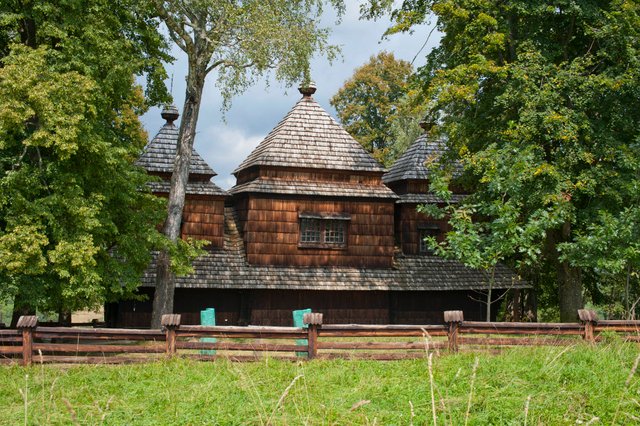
x: 224, y: 143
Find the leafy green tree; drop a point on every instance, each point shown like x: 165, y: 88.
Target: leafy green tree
x: 76, y: 229
x: 553, y: 82
x: 241, y: 41
x: 369, y: 103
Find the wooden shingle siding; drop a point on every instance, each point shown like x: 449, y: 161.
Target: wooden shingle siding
x: 409, y: 224
x: 203, y: 219
x: 271, y: 233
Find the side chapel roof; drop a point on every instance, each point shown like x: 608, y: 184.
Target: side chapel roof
x: 159, y: 154
x: 308, y: 137
x: 411, y: 165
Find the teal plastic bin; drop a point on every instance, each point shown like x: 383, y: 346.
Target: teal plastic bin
x: 298, y: 321
x: 208, y: 317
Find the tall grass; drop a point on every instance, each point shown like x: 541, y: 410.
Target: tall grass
x: 581, y: 384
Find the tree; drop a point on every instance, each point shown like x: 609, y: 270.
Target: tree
x: 554, y: 82
x: 369, y: 103
x: 75, y: 227
x: 242, y: 41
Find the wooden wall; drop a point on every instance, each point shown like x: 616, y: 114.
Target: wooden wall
x: 408, y: 223
x: 309, y: 175
x: 203, y: 219
x: 274, y: 307
x: 271, y: 232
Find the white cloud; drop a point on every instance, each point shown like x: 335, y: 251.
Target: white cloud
x: 224, y: 148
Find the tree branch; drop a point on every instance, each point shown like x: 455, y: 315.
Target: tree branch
x: 176, y: 27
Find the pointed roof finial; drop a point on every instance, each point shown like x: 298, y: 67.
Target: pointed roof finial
x: 170, y: 113
x: 307, y: 88
x: 426, y: 124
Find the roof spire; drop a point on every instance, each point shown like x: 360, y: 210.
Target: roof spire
x: 170, y: 113
x: 426, y: 124
x: 307, y: 88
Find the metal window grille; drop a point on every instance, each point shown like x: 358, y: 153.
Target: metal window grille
x: 334, y: 232
x: 310, y: 230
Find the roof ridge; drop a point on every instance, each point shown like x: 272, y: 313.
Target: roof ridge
x: 309, y: 137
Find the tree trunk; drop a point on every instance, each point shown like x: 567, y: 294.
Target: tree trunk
x: 20, y: 307
x: 489, y: 301
x: 165, y: 279
x: 569, y: 283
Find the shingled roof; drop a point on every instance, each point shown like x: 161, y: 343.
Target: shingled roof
x: 308, y: 137
x: 159, y: 154
x: 411, y: 165
x: 227, y: 268
x: 328, y: 189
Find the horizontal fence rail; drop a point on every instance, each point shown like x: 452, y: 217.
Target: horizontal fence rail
x: 31, y: 342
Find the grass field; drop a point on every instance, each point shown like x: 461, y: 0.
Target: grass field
x: 575, y: 385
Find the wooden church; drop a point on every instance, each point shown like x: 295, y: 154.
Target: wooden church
x: 312, y: 222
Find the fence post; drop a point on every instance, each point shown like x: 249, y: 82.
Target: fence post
x: 453, y: 319
x: 170, y: 323
x: 314, y: 321
x: 27, y: 324
x: 589, y: 318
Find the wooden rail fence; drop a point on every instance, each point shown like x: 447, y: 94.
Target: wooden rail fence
x: 30, y: 343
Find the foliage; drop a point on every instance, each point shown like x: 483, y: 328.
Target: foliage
x: 241, y: 41
x: 76, y: 227
x: 554, y: 385
x: 368, y: 103
x: 550, y: 88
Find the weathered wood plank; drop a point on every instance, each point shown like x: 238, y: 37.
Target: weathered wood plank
x: 6, y: 350
x: 254, y: 347
x: 54, y: 359
x: 516, y: 341
x: 72, y: 348
x: 382, y: 345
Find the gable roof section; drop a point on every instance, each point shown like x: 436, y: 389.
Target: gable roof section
x: 411, y: 165
x: 159, y: 154
x: 308, y: 137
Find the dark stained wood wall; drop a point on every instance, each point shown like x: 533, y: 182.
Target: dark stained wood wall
x: 309, y: 175
x: 203, y: 219
x: 274, y: 307
x: 408, y: 223
x: 271, y: 228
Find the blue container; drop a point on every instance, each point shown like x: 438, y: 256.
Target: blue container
x: 208, y: 317
x: 298, y: 321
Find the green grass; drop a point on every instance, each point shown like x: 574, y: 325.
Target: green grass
x: 574, y: 385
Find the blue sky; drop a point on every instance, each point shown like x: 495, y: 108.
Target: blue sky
x: 225, y: 143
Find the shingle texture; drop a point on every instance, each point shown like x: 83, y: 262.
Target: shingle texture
x: 411, y: 165
x: 427, y: 199
x: 329, y: 189
x: 227, y: 269
x: 193, y: 188
x: 308, y: 137
x: 159, y: 154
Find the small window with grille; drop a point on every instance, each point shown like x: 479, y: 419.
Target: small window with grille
x: 334, y: 231
x: 310, y: 230
x: 323, y: 230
